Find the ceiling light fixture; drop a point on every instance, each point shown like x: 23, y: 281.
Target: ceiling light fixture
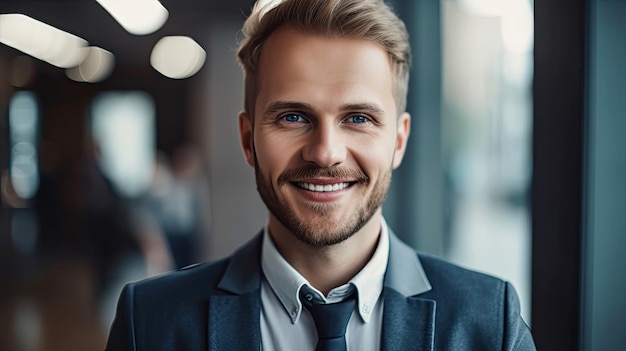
x: 177, y: 57
x: 97, y: 66
x: 138, y: 17
x: 42, y: 40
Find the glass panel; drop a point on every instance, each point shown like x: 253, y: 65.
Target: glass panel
x: 486, y: 136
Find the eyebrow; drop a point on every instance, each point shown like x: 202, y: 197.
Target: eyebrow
x: 301, y: 106
x: 286, y: 105
x: 367, y: 107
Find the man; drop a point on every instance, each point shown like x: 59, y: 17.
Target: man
x: 324, y: 126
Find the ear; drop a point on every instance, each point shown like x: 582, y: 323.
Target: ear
x: 246, y: 137
x: 402, y: 137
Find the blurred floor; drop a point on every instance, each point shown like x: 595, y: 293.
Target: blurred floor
x: 56, y: 309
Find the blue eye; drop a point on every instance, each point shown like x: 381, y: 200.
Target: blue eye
x: 293, y: 118
x: 358, y: 119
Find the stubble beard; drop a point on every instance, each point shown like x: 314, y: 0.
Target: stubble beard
x: 321, y: 231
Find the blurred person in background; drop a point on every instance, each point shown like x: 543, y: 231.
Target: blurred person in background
x: 324, y: 127
x: 168, y: 215
x: 82, y: 215
x: 146, y: 212
x: 108, y: 226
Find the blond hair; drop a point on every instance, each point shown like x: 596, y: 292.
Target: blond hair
x: 370, y: 20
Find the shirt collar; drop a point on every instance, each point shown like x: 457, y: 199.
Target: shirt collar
x: 286, y: 281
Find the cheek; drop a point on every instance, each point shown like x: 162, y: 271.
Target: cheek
x: 381, y: 146
x: 274, y: 154
x: 374, y: 158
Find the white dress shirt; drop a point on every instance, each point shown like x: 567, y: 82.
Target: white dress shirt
x: 286, y: 325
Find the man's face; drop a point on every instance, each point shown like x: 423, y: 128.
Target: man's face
x: 325, y: 134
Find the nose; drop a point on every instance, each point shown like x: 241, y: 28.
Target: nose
x: 325, y: 146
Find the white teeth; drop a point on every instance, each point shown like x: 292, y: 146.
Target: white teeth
x: 323, y: 188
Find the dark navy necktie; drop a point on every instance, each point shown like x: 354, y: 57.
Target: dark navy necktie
x: 331, y: 321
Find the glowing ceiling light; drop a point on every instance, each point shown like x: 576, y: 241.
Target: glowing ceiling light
x: 177, y: 57
x: 138, y: 17
x: 97, y: 66
x: 41, y: 40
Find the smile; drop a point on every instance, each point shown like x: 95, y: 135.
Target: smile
x: 323, y: 188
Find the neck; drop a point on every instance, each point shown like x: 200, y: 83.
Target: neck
x: 330, y: 266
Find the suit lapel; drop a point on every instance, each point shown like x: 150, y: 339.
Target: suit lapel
x: 408, y: 322
x: 233, y: 317
x: 234, y: 322
x: 405, y: 273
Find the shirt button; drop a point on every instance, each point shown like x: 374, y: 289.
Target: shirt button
x: 294, y: 312
x: 309, y: 297
x: 366, y: 309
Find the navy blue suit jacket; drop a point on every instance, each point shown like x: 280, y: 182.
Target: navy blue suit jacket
x: 428, y: 305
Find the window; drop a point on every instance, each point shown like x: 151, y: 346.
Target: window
x: 487, y: 136
x: 122, y: 125
x: 23, y: 131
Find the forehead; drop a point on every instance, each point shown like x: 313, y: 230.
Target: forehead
x: 294, y: 65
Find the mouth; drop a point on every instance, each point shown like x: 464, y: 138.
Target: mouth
x: 320, y: 188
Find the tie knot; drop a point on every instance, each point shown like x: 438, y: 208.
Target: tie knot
x: 331, y: 320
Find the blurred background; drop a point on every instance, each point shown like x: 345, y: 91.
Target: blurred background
x: 120, y: 159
